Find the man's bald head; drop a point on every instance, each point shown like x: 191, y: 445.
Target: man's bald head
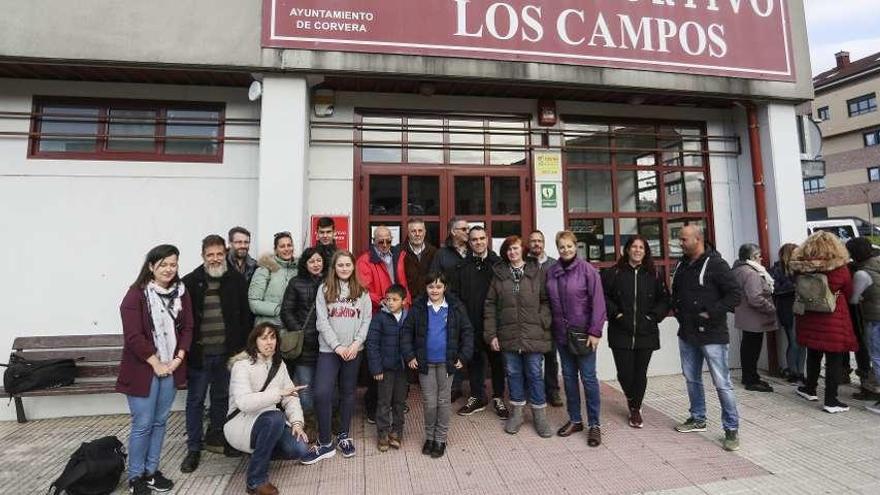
x: 691, y: 239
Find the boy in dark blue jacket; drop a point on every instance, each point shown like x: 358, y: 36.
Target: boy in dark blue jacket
x: 386, y: 365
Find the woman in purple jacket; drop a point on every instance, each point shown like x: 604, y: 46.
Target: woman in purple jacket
x: 157, y: 328
x: 578, y: 306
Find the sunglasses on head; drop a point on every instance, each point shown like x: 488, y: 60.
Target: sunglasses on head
x: 282, y: 234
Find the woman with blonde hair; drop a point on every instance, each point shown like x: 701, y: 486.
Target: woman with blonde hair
x: 825, y: 333
x: 783, y: 299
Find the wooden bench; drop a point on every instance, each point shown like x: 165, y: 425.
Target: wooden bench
x: 97, y: 363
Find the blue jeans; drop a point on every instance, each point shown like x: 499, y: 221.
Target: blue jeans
x: 214, y: 374
x: 305, y: 375
x: 872, y: 341
x: 271, y: 438
x: 586, y: 366
x: 795, y: 355
x: 525, y: 373
x: 148, y: 417
x: 692, y: 357
x: 331, y: 371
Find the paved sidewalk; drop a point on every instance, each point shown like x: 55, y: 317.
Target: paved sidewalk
x: 788, y: 446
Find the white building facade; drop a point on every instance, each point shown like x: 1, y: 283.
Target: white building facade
x: 127, y: 126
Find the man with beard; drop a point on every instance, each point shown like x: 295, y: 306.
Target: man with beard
x: 551, y: 365
x: 221, y: 322
x: 326, y: 243
x: 238, y: 257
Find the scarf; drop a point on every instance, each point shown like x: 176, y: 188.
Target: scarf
x: 768, y: 279
x: 164, y: 306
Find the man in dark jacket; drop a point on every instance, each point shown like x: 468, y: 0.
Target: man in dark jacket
x: 703, y: 292
x: 326, y: 242
x: 419, y: 256
x: 221, y: 322
x: 551, y: 364
x: 238, y: 257
x: 470, y: 282
x: 455, y: 249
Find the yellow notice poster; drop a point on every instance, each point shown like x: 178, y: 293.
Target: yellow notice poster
x: 548, y: 166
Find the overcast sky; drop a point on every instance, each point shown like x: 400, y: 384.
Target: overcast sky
x: 835, y: 25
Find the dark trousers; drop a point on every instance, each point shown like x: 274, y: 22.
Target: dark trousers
x: 551, y: 373
x: 330, y: 371
x: 632, y: 373
x: 477, y: 371
x: 833, y: 370
x: 391, y: 392
x: 271, y: 438
x: 749, y: 352
x: 213, y: 374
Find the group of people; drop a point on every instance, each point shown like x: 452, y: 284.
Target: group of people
x: 280, y: 343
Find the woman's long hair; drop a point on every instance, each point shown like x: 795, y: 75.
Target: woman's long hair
x: 260, y: 330
x: 332, y: 284
x: 647, y: 261
x: 785, y: 256
x: 154, y: 256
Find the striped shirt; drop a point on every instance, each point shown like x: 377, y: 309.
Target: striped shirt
x: 213, y: 330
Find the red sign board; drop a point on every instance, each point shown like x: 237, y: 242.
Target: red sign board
x: 732, y: 38
x: 341, y: 224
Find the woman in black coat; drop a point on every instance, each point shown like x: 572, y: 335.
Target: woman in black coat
x: 298, y: 314
x: 636, y: 300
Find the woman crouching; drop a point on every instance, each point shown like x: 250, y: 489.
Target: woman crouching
x: 255, y: 424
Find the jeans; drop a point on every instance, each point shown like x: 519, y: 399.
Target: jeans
x: 632, y: 373
x: 872, y: 342
x: 148, y: 417
x: 213, y: 374
x: 436, y: 388
x: 525, y: 374
x: 834, y: 367
x: 391, y: 393
x: 749, y: 352
x: 330, y: 371
x: 692, y: 357
x: 477, y: 371
x: 271, y: 438
x: 572, y: 365
x: 794, y: 353
x: 551, y: 372
x: 305, y: 375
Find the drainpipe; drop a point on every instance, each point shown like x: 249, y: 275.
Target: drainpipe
x: 761, y: 214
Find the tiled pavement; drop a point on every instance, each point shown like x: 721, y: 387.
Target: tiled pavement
x: 789, y: 446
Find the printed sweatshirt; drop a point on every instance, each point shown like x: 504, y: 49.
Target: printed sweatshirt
x: 343, y: 321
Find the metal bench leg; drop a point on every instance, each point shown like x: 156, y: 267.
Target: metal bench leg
x: 19, y: 410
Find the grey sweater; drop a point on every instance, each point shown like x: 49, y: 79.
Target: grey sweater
x: 342, y: 322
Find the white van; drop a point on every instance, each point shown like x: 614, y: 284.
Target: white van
x: 843, y: 228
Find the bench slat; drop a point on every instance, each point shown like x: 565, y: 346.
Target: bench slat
x: 98, y: 371
x: 89, y: 355
x: 67, y: 341
x: 75, y: 389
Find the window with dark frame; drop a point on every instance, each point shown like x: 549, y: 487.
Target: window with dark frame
x: 872, y: 138
x: 814, y: 185
x: 875, y: 210
x: 625, y: 178
x: 862, y: 105
x: 126, y: 130
x: 823, y: 113
x: 873, y: 174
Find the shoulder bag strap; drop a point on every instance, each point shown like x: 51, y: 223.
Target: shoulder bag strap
x: 273, y: 370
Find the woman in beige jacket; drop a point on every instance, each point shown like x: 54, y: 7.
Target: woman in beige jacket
x: 256, y: 424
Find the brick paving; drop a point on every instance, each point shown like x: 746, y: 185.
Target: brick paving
x: 788, y: 446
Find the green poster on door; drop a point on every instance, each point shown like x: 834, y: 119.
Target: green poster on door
x: 548, y: 195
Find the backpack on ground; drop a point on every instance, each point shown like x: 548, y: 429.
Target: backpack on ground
x: 23, y: 374
x: 811, y: 293
x: 93, y: 469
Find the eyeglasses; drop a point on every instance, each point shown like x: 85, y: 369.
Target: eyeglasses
x: 383, y: 241
x: 282, y: 234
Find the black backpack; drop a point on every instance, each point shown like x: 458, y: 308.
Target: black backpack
x: 23, y: 374
x: 94, y: 469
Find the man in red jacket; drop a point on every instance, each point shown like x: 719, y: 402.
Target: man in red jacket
x: 378, y: 269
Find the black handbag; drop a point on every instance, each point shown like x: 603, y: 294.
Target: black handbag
x: 578, y: 338
x: 23, y: 374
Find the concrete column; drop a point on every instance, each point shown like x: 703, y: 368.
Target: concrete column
x: 284, y: 151
x: 786, y: 209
